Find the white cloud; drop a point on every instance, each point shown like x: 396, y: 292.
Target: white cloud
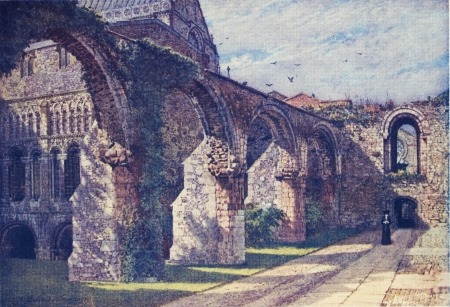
x: 325, y: 37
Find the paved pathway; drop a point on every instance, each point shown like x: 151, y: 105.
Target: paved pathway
x: 355, y: 272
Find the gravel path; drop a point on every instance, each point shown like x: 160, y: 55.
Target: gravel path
x: 357, y: 271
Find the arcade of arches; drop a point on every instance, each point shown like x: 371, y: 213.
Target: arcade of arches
x: 65, y: 184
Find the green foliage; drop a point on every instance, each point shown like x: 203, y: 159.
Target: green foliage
x: 313, y: 216
x: 25, y: 22
x: 403, y: 176
x: 344, y: 115
x: 44, y: 283
x: 148, y: 72
x: 261, y: 225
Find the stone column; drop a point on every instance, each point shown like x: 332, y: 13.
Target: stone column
x: 231, y: 219
x: 293, y: 227
x: 45, y: 178
x: 61, y: 160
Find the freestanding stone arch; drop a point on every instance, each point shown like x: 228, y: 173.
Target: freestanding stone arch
x: 323, y: 173
x: 208, y: 218
x: 273, y: 165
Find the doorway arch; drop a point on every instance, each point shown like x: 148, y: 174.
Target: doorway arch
x: 18, y: 241
x: 62, y: 243
x: 405, y: 212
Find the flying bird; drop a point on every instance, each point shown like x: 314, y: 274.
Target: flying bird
x: 360, y: 53
x: 220, y: 43
x: 269, y: 84
x: 226, y: 37
x: 345, y: 61
x: 297, y: 64
x: 273, y: 63
x: 291, y: 79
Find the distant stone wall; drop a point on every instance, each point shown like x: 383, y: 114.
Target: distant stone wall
x: 263, y: 188
x: 367, y: 187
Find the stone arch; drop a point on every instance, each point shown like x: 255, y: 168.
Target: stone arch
x: 323, y: 173
x: 393, y: 125
x: 184, y: 136
x: 209, y: 210
x: 110, y: 102
x: 273, y: 164
x: 195, y: 38
x: 219, y: 127
x: 405, y: 212
x: 18, y: 241
x: 62, y: 242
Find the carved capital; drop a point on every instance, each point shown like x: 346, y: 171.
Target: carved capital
x: 115, y: 155
x: 287, y: 174
x: 221, y: 162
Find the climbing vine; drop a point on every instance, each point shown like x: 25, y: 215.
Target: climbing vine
x: 149, y: 73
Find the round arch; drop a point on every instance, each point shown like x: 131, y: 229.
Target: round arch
x: 62, y: 242
x: 280, y: 124
x: 405, y: 212
x: 18, y: 241
x: 110, y: 102
x: 393, y: 123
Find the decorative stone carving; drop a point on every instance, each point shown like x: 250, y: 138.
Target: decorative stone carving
x: 115, y: 155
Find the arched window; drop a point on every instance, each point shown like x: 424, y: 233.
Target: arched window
x: 57, y: 123
x: 50, y: 127
x: 71, y: 170
x: 86, y: 119
x: 38, y: 124
x: 24, y: 67
x: 31, y: 66
x: 72, y: 123
x: 54, y: 173
x: 16, y: 175
x: 64, y: 122
x: 24, y: 126
x: 35, y: 170
x: 195, y: 38
x: 79, y: 120
x: 17, y: 126
x: 404, y: 145
x: 30, y: 130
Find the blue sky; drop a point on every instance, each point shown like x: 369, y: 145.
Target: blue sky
x: 345, y: 48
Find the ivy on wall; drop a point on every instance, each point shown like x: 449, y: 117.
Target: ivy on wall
x: 148, y: 71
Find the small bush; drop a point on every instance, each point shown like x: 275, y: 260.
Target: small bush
x: 261, y: 225
x: 313, y: 216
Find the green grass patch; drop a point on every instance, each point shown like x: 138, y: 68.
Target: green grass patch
x: 44, y: 283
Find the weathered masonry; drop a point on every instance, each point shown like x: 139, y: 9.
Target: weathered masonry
x: 66, y: 176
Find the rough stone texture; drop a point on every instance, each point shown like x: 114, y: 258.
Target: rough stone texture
x: 224, y: 142
x: 95, y: 241
x: 367, y: 185
x: 195, y: 226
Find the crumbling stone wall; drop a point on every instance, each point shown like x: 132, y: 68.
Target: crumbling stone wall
x: 367, y: 187
x: 263, y: 188
x: 195, y: 225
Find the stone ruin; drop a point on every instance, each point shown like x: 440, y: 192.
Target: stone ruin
x: 68, y: 171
